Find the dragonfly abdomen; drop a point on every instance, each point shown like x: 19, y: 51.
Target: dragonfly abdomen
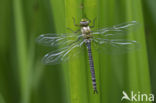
x: 90, y: 58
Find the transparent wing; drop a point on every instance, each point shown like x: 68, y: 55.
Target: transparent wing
x: 117, y: 31
x: 63, y: 54
x: 55, y: 40
x: 115, y: 46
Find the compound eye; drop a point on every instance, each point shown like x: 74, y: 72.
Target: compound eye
x: 82, y: 23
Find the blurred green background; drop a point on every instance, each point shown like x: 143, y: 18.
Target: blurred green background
x: 24, y: 79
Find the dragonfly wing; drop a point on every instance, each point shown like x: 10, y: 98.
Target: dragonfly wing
x: 116, y: 31
x: 63, y: 54
x: 54, y: 57
x: 55, y: 40
x: 117, y: 46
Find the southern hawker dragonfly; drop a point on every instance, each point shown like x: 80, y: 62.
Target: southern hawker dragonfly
x: 109, y: 38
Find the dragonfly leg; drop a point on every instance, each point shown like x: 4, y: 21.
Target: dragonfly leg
x: 89, y: 20
x: 77, y: 31
x: 75, y: 22
x: 93, y: 23
x: 73, y: 30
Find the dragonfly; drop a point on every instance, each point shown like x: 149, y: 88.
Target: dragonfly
x: 105, y: 38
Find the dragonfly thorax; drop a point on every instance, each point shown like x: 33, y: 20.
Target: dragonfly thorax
x: 86, y: 32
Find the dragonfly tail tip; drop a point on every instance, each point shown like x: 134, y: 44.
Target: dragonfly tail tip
x: 95, y: 91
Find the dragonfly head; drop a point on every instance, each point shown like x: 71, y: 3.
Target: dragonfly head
x: 84, y: 22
